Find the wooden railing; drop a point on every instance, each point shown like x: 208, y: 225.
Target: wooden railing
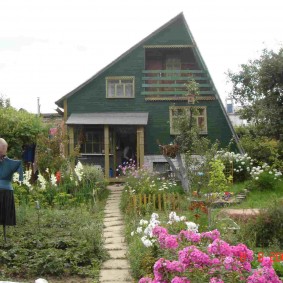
x: 172, y: 82
x: 159, y: 202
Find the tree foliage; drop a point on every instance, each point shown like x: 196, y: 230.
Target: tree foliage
x: 18, y: 128
x: 258, y: 87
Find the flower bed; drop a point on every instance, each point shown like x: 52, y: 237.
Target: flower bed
x: 182, y: 254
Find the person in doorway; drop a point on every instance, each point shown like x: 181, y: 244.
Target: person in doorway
x: 127, y: 155
x: 7, y: 204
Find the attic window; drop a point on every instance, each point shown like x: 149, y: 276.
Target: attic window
x: 199, y: 115
x: 120, y: 87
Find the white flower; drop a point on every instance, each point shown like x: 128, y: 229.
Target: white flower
x: 132, y: 233
x: 16, y: 177
x: 139, y: 230
x: 53, y: 180
x: 147, y: 243
x: 191, y: 226
x: 42, y: 182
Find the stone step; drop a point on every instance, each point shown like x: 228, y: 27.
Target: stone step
x: 120, y: 246
x: 114, y: 275
x: 116, y: 264
x: 122, y: 254
x: 114, y: 240
x: 109, y: 234
x: 113, y: 223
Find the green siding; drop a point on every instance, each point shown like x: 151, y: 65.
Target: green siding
x: 92, y: 96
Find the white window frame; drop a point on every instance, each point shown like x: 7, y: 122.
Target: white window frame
x: 203, y: 116
x: 120, y: 83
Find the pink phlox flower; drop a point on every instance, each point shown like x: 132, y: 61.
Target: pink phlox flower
x: 174, y: 266
x: 228, y: 261
x: 266, y: 262
x: 167, y: 241
x: 215, y: 280
x: 157, y: 230
x: 242, y: 252
x: 219, y: 247
x: 190, y: 236
x: 178, y: 279
x: 145, y: 280
x: 192, y: 255
x: 247, y: 266
x: 212, y: 235
x: 170, y: 242
x: 264, y: 275
x: 159, y: 269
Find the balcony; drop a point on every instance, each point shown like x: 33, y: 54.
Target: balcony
x: 172, y: 82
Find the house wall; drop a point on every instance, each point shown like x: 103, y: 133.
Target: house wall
x: 92, y: 97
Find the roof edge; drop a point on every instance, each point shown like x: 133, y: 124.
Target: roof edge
x: 59, y: 102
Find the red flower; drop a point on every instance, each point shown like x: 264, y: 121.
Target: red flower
x: 58, y: 176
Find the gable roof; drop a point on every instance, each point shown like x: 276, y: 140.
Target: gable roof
x: 178, y: 17
x: 195, y: 50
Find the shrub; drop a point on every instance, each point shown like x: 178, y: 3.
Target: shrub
x: 267, y: 228
x: 264, y: 177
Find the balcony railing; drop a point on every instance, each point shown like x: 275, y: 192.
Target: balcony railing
x: 172, y: 82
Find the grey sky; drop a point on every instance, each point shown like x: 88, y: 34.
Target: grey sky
x: 47, y: 48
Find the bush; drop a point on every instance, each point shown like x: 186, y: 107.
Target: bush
x: 268, y: 226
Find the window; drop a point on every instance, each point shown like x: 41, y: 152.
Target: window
x: 93, y: 142
x: 120, y: 87
x: 199, y: 115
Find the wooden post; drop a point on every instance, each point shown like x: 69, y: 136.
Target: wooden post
x: 159, y: 201
x: 140, y: 146
x: 153, y: 200
x: 106, y: 151
x: 65, y: 131
x: 71, y: 139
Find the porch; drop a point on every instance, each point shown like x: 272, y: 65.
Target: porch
x: 108, y: 139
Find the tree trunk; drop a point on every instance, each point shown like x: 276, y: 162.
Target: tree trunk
x: 180, y: 173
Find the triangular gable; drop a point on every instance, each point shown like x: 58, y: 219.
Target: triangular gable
x: 159, y: 37
x: 142, y: 42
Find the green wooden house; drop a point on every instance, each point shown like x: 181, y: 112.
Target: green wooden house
x: 134, y: 100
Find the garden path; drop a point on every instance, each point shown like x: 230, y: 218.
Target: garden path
x: 116, y: 269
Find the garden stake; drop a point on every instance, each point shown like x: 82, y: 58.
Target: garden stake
x: 4, y: 233
x: 37, y: 206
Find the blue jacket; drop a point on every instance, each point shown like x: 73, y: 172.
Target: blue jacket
x: 7, y: 168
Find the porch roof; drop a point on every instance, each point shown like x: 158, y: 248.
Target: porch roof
x: 108, y: 118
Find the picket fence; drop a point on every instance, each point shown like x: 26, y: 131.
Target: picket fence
x: 159, y: 202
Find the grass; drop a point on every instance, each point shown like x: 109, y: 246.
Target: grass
x: 258, y: 198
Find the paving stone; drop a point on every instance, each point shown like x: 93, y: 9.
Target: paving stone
x: 114, y: 240
x: 114, y: 275
x: 118, y: 254
x: 109, y: 234
x: 116, y: 264
x: 114, y: 228
x: 110, y: 219
x: 119, y: 246
x: 113, y: 223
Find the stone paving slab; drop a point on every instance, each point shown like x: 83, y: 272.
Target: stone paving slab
x: 120, y: 246
x: 114, y: 275
x: 113, y: 223
x: 109, y: 234
x: 116, y: 264
x: 118, y: 254
x: 115, y: 240
x: 110, y: 219
x: 114, y: 228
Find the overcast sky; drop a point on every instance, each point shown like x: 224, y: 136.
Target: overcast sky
x: 47, y: 48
